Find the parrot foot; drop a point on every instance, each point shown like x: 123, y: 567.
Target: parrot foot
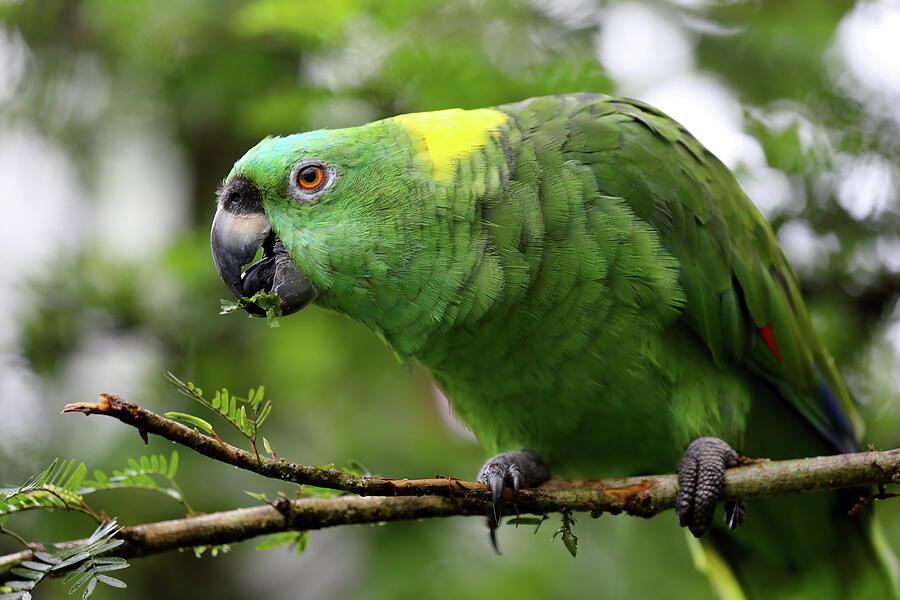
x: 701, y: 479
x: 516, y: 469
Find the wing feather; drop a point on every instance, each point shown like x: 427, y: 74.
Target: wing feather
x: 737, y: 281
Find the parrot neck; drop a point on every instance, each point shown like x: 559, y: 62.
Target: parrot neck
x: 504, y: 250
x: 444, y: 268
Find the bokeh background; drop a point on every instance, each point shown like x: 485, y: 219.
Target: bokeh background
x: 119, y: 119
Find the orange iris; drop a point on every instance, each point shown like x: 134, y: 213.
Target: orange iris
x: 310, y: 177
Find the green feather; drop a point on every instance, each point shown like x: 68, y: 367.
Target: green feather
x: 586, y: 280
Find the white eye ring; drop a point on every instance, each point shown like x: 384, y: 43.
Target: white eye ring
x: 296, y: 187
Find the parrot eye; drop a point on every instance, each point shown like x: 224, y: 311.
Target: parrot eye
x: 309, y: 179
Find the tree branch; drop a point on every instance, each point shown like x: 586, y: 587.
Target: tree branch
x: 404, y: 499
x: 146, y: 422
x: 639, y: 496
x: 768, y: 478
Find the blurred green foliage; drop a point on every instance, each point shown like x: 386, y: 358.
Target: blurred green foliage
x: 216, y: 76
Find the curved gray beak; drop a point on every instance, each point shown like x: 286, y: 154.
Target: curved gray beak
x: 234, y: 240
x: 239, y: 228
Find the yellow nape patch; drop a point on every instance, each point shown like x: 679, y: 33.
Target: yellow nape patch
x: 451, y: 134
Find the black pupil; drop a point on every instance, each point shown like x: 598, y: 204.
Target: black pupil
x: 309, y: 175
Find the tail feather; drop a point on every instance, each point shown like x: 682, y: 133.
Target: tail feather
x: 711, y: 563
x: 803, y: 546
x: 785, y: 553
x: 886, y: 556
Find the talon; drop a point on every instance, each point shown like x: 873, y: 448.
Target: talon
x: 495, y: 483
x: 516, y: 479
x: 516, y: 469
x: 492, y: 535
x: 734, y: 513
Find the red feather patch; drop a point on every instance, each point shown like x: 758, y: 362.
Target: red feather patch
x: 769, y: 338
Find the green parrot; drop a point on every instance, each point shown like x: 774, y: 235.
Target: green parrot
x: 596, y: 296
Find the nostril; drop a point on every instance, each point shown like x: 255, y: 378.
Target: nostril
x: 241, y: 196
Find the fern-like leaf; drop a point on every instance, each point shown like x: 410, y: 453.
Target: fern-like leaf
x: 190, y: 420
x: 296, y: 539
x: 144, y: 474
x: 245, y: 414
x: 54, y: 488
x: 88, y: 566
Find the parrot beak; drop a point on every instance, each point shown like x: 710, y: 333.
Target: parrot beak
x: 239, y: 228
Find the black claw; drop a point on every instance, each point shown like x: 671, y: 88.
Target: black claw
x: 701, y: 479
x: 495, y: 483
x: 734, y: 513
x: 517, y: 469
x: 492, y: 536
x: 516, y: 479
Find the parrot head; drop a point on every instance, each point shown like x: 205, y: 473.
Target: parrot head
x: 372, y: 221
x: 330, y: 210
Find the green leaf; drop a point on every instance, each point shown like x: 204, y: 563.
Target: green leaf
x: 277, y: 539
x: 89, y: 590
x: 112, y: 581
x: 356, y: 468
x: 62, y: 473
x: 263, y: 413
x: 296, y: 538
x: 74, y: 481
x: 565, y: 531
x: 302, y: 540
x: 240, y: 419
x: 106, y: 547
x: 77, y: 558
x: 37, y: 566
x: 228, y: 305
x: 571, y: 542
x: 46, y: 557
x: 98, y: 568
x: 21, y: 585
x: 173, y: 463
x: 257, y: 496
x: 271, y: 303
x: 267, y: 446
x: 79, y: 575
x: 110, y: 560
x: 312, y: 490
x: 191, y: 420
x: 268, y: 301
x: 245, y: 414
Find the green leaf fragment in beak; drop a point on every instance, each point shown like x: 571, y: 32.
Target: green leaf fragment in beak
x: 266, y: 300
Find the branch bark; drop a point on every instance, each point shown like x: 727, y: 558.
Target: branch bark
x: 406, y: 499
x: 639, y: 496
x: 768, y: 478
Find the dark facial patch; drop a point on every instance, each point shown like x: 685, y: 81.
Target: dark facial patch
x: 241, y: 197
